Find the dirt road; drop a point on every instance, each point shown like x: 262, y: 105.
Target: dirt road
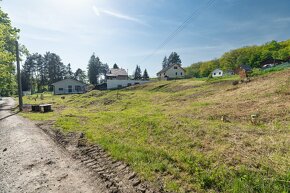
x: 30, y: 161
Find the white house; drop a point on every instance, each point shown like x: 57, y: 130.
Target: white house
x: 115, y: 84
x: 171, y: 72
x: 117, y: 74
x: 69, y: 86
x: 118, y: 78
x: 217, y: 73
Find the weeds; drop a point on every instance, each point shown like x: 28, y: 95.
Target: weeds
x: 172, y: 131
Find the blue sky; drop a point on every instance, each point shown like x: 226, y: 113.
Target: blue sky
x: 127, y: 31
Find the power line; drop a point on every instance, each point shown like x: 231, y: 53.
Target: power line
x: 195, y: 14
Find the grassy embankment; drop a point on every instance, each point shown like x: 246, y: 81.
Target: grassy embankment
x: 172, y: 131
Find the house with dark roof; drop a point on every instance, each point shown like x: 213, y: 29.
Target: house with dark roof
x: 173, y: 71
x: 270, y: 63
x: 243, y: 70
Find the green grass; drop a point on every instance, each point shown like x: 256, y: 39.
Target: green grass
x: 258, y: 72
x: 171, y: 130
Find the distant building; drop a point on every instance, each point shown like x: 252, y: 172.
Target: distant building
x: 171, y: 72
x: 243, y: 71
x: 118, y: 78
x: 117, y: 74
x: 229, y: 73
x: 270, y: 63
x: 217, y: 73
x: 69, y: 86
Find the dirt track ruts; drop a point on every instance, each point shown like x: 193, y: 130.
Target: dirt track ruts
x: 32, y: 161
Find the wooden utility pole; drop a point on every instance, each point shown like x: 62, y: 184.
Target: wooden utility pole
x: 19, y: 78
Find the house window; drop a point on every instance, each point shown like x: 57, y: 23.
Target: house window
x: 120, y: 86
x: 175, y: 67
x: 129, y: 84
x: 181, y: 73
x: 176, y: 73
x: 78, y: 88
x: 69, y: 88
x: 214, y: 73
x: 163, y: 73
x: 220, y: 73
x: 60, y: 89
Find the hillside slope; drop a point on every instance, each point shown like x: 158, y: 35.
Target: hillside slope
x: 171, y: 132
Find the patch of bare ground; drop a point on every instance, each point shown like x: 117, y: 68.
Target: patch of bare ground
x: 265, y: 96
x: 116, y: 175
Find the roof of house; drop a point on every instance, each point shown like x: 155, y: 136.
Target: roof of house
x: 271, y: 61
x: 67, y: 80
x: 246, y: 67
x: 218, y: 69
x: 117, y: 72
x: 168, y: 67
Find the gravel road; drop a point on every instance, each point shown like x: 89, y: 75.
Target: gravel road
x: 30, y: 161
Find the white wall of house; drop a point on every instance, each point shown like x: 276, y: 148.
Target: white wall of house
x: 68, y: 86
x: 217, y: 73
x: 174, y: 72
x: 113, y: 84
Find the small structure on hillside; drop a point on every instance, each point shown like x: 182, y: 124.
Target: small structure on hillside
x: 117, y: 74
x: 173, y: 71
x: 118, y: 78
x: 69, y: 86
x: 270, y: 63
x: 217, y: 73
x: 244, y: 71
x: 229, y: 73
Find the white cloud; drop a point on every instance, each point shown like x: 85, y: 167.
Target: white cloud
x: 118, y: 15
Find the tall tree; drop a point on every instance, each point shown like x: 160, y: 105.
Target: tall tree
x: 116, y: 66
x: 31, y: 71
x: 94, y: 69
x: 164, y: 63
x: 55, y: 68
x: 174, y: 58
x: 80, y: 75
x: 137, y: 73
x: 69, y: 72
x: 8, y: 36
x: 145, y: 75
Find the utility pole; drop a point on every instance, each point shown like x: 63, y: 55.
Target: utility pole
x: 19, y: 78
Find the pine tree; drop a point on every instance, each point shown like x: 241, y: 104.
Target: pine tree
x: 137, y: 73
x: 95, y: 69
x: 69, y: 71
x: 145, y: 75
x: 116, y: 66
x: 174, y: 58
x: 164, y: 63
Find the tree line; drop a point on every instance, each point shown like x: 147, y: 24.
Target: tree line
x: 250, y: 55
x: 173, y: 58
x: 40, y: 71
x: 8, y: 36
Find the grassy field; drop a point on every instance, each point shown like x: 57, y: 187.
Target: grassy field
x: 171, y: 132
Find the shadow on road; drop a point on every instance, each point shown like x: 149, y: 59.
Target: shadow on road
x: 2, y: 118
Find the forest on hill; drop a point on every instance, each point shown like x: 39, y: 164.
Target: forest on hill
x: 250, y: 55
